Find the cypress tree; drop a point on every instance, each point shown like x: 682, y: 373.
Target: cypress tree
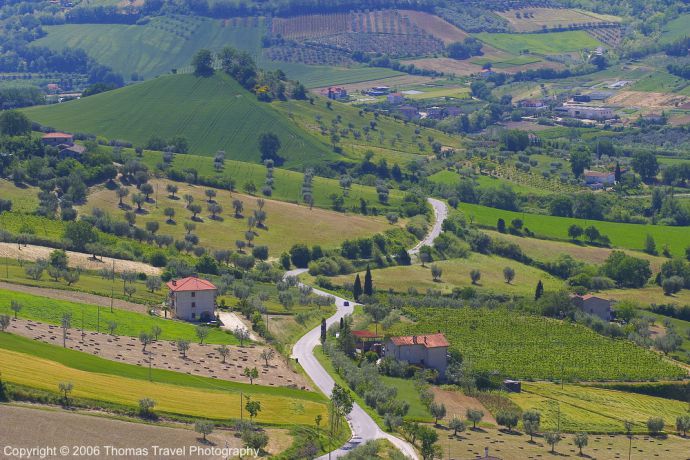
x: 540, y: 290
x: 323, y: 331
x: 368, y: 283
x: 357, y: 288
x: 617, y: 173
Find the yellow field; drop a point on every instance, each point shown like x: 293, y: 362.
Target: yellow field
x: 220, y: 405
x: 536, y: 19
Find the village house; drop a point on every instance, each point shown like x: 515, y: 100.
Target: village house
x: 192, y: 299
x: 428, y: 350
x: 594, y: 305
x: 395, y: 98
x: 598, y: 179
x: 71, y: 151
x: 57, y: 139
x: 335, y: 93
x: 585, y: 112
x: 533, y: 105
x: 378, y: 91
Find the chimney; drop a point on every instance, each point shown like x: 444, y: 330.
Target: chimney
x: 414, y: 339
x: 174, y: 283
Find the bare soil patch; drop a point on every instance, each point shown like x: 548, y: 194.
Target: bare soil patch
x: 535, y: 19
x: 75, y: 296
x: 201, y: 360
x: 457, y: 404
x: 76, y: 259
x: 647, y: 99
x: 29, y: 426
x: 446, y: 65
x: 436, y: 26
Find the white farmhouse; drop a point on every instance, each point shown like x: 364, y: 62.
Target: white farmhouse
x: 192, y: 299
x: 430, y: 350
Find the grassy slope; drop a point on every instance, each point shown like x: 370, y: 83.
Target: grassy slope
x: 129, y: 323
x: 593, y: 409
x: 102, y: 380
x: 213, y: 113
x: 326, y: 228
x: 524, y: 346
x: 159, y: 46
x: 629, y: 236
x: 675, y: 29
x: 548, y: 43
x: 456, y: 273
x: 24, y: 199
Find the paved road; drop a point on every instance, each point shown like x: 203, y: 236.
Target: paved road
x: 363, y: 427
x: 440, y: 214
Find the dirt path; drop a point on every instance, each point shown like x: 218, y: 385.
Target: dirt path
x: 76, y: 259
x: 201, y: 360
x: 74, y: 296
x: 30, y: 426
x: 231, y: 321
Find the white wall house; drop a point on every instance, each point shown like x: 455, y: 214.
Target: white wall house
x: 430, y: 350
x: 192, y: 299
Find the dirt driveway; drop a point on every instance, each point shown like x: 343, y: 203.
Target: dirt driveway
x: 76, y: 259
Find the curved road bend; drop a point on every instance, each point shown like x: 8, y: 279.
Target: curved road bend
x: 363, y: 427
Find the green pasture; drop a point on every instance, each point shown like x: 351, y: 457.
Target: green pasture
x: 546, y: 43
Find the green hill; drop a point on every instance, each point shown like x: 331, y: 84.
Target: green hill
x: 155, y: 48
x: 213, y: 114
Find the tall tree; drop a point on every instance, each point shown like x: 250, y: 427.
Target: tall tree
x: 357, y: 288
x: 203, y: 63
x: 269, y: 145
x: 539, y: 291
x: 368, y: 283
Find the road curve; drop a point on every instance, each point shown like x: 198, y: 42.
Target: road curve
x: 440, y: 214
x: 363, y: 427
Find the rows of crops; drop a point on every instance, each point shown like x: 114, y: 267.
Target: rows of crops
x: 535, y: 347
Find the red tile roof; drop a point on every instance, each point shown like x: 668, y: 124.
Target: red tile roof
x: 428, y: 340
x: 191, y: 283
x: 365, y: 334
x: 56, y: 135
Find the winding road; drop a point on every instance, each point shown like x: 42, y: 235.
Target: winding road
x: 363, y: 427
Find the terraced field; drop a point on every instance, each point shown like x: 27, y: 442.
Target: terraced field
x: 535, y: 347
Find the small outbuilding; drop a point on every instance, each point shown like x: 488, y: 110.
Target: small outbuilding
x: 192, y: 299
x: 512, y: 386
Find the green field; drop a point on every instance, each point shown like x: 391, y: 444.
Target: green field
x: 675, y: 29
x: 629, y: 236
x: 129, y: 323
x: 287, y: 184
x: 213, y: 113
x: 37, y: 365
x: 584, y: 408
x: 456, y: 273
x: 547, y: 43
x: 535, y: 347
x: 661, y: 82
x: 165, y: 43
x: 313, y: 76
x: 24, y: 198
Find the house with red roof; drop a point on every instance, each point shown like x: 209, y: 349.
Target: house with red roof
x: 594, y: 305
x: 192, y: 299
x: 427, y: 350
x: 58, y: 139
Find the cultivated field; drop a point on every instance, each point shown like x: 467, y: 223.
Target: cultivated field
x: 219, y: 115
x: 506, y: 342
x: 393, y: 82
x: 50, y: 311
x: 538, y: 19
x: 53, y: 427
x: 549, y: 43
x: 286, y: 224
x: 456, y: 273
x: 628, y: 236
x: 647, y: 99
x: 218, y: 404
x: 584, y: 408
x: 24, y: 198
x: 436, y: 26
x: 165, y: 43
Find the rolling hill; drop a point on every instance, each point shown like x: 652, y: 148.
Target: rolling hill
x: 213, y: 113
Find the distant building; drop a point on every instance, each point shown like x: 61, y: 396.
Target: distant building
x: 56, y: 139
x: 335, y: 93
x: 192, y: 299
x: 597, y: 179
x: 512, y: 386
x: 71, y: 151
x: 436, y: 113
x: 594, y: 305
x: 486, y: 73
x: 366, y: 341
x: 395, y: 98
x: 533, y: 104
x: 582, y: 98
x: 429, y: 350
x: 379, y: 91
x: 585, y: 112
x: 409, y: 112
x: 53, y: 87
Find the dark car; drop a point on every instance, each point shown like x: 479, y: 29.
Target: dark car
x: 346, y: 303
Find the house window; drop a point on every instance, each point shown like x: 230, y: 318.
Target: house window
x: 193, y: 304
x: 193, y: 294
x: 193, y: 315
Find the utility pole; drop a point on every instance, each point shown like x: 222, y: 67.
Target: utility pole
x: 150, y: 358
x: 241, y: 401
x: 112, y: 289
x: 98, y: 318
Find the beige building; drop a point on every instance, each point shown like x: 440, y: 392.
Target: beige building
x: 430, y: 350
x: 594, y: 305
x: 192, y: 299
